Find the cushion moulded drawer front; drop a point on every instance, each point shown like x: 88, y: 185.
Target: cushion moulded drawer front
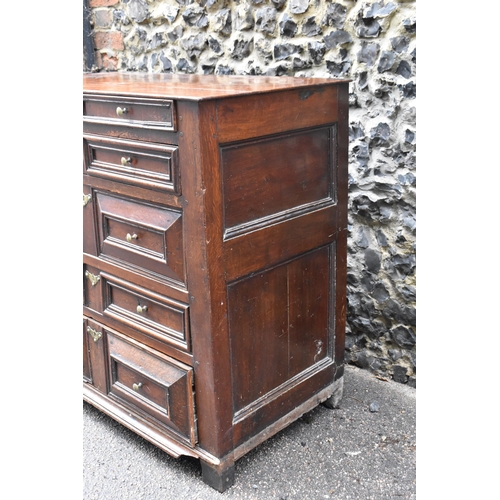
x: 130, y: 112
x: 148, y: 165
x: 152, y: 383
x: 155, y: 315
x: 141, y: 235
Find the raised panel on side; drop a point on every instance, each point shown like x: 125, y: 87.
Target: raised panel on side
x: 280, y: 327
x: 272, y: 176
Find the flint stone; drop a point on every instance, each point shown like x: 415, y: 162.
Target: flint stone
x: 183, y: 66
x: 278, y: 3
x: 298, y: 6
x: 310, y: 28
x: 335, y: 15
x: 404, y: 69
x: 380, y: 293
x: 265, y: 20
x: 288, y: 27
x: 368, y: 28
x: 380, y: 10
x: 223, y: 22
x: 380, y: 134
x: 298, y: 64
x: 196, y: 16
x: 368, y: 53
x: 372, y: 260
x: 158, y: 40
x: 242, y: 48
x: 335, y: 38
x: 176, y: 33
x: 316, y: 51
x: 244, y: 18
x: 403, y: 337
x: 400, y: 44
x: 338, y: 69
x: 194, y: 45
x: 362, y: 82
x: 410, y: 25
x: 224, y: 70
x: 386, y: 61
x: 285, y: 50
x: 166, y: 63
x: 137, y: 10
x: 409, y: 90
x: 382, y: 239
x: 395, y: 354
x: 214, y: 45
x: 399, y: 374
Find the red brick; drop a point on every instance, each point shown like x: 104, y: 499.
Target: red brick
x: 108, y: 40
x: 103, y: 61
x: 102, y: 3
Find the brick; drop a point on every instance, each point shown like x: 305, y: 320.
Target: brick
x: 106, y: 62
x: 109, y: 40
x: 102, y: 3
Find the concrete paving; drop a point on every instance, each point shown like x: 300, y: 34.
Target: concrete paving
x: 366, y: 449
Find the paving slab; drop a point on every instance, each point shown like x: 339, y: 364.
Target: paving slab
x: 366, y: 449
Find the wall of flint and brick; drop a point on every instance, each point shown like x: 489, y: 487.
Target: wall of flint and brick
x: 371, y: 42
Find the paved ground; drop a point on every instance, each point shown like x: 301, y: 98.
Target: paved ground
x: 349, y: 453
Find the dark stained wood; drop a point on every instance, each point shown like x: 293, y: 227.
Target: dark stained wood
x: 215, y: 247
x: 272, y: 175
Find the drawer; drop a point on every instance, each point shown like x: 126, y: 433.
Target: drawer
x: 153, y: 314
x: 148, y: 165
x: 146, y: 113
x: 155, y: 385
x: 140, y: 235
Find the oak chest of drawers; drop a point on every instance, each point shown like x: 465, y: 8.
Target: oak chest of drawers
x: 214, y: 265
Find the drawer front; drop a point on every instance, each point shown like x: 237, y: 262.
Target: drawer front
x: 157, y: 114
x: 154, y: 384
x: 153, y: 166
x: 141, y: 235
x: 153, y: 314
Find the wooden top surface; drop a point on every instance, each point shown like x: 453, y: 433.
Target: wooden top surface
x: 192, y: 87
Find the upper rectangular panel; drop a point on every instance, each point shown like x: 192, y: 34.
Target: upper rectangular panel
x: 275, y: 175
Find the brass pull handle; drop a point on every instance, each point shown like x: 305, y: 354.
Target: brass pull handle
x: 126, y: 161
x: 136, y: 387
x: 86, y: 199
x: 121, y: 111
x: 92, y: 278
x: 131, y: 237
x: 141, y: 309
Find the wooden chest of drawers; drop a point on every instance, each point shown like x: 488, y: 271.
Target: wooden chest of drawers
x: 214, y: 267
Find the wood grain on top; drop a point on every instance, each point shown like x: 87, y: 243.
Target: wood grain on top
x: 191, y: 87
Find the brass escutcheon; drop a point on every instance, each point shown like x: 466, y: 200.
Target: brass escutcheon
x: 92, y: 278
x: 94, y: 333
x: 121, y: 111
x: 86, y: 199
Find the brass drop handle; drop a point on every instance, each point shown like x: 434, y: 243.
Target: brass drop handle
x: 141, y: 309
x: 131, y: 237
x: 121, y: 111
x: 136, y: 387
x: 126, y: 161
